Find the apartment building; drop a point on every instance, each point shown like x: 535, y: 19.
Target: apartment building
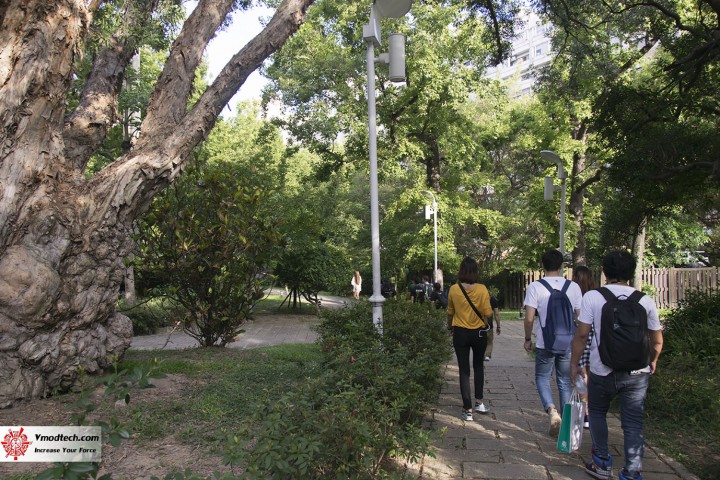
x: 530, y: 50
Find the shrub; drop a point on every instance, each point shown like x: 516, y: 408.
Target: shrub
x: 688, y: 363
x: 151, y: 314
x: 210, y: 236
x: 694, y: 328
x: 687, y: 376
x: 366, y: 405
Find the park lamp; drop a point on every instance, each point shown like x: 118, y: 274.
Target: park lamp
x: 550, y: 189
x: 396, y: 59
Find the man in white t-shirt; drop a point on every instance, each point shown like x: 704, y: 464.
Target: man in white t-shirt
x: 536, y: 299
x: 604, y: 383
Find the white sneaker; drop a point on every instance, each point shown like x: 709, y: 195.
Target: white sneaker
x: 487, y: 359
x: 555, y: 422
x: 481, y: 408
x: 467, y: 416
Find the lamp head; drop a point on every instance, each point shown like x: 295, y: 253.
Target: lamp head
x: 551, y: 156
x: 393, y: 8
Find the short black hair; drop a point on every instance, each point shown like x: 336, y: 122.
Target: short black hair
x: 552, y: 260
x: 619, y: 265
x: 468, y: 272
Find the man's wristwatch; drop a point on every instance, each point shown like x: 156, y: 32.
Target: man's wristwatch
x: 527, y: 339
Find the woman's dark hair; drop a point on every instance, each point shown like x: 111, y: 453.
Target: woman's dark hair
x: 619, y: 265
x: 584, y: 277
x: 468, y: 272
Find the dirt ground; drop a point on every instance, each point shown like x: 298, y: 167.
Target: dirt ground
x: 130, y: 461
x: 133, y: 461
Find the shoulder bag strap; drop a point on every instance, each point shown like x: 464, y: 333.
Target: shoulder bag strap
x: 472, y: 305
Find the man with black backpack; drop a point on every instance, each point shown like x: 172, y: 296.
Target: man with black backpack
x: 627, y: 343
x: 557, y: 302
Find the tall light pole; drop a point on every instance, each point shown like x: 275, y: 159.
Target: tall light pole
x: 549, y: 189
x: 396, y: 59
x: 434, y: 214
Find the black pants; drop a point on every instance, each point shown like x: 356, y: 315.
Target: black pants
x: 464, y: 340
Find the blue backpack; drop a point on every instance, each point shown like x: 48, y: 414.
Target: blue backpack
x: 559, y: 328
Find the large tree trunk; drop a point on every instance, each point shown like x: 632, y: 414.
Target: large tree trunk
x: 63, y: 238
x: 576, y: 207
x: 579, y: 183
x: 638, y: 251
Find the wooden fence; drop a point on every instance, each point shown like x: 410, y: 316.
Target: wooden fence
x: 669, y: 285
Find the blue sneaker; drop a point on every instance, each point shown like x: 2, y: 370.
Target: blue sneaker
x: 600, y: 467
x: 625, y: 475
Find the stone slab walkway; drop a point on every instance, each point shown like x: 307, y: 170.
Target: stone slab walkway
x: 511, y: 442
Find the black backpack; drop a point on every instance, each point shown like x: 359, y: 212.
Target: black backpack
x: 624, y: 342
x: 559, y: 328
x: 441, y: 299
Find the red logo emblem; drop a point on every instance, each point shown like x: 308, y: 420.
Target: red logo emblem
x: 15, y: 443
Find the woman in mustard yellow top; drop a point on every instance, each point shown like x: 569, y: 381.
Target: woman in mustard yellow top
x: 469, y: 332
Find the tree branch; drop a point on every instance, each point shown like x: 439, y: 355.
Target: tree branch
x: 86, y: 128
x: 168, y: 103
x: 130, y: 183
x: 712, y: 167
x: 589, y: 181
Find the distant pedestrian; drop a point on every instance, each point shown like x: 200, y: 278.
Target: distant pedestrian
x: 636, y: 346
x: 467, y: 314
x: 417, y: 291
x: 356, y: 285
x: 537, y: 299
x: 438, y: 297
x: 387, y: 289
x: 493, y: 323
x: 427, y: 287
x: 584, y: 277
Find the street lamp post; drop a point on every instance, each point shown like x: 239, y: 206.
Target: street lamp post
x: 549, y: 189
x: 396, y: 59
x: 434, y: 214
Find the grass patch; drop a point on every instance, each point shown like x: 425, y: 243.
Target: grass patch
x: 506, y: 315
x: 227, y: 387
x: 274, y: 303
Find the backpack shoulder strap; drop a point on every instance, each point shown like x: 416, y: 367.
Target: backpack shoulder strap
x: 546, y: 284
x: 566, y: 286
x: 636, y: 296
x: 605, y: 292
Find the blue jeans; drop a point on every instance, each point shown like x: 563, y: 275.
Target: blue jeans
x: 632, y: 391
x: 544, y: 362
x: 465, y: 340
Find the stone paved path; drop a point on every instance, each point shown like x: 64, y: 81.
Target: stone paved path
x: 264, y: 331
x: 512, y: 442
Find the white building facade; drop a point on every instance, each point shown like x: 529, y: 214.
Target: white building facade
x: 531, y: 49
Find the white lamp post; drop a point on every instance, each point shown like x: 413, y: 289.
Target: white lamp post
x: 396, y: 59
x: 434, y: 214
x: 550, y: 189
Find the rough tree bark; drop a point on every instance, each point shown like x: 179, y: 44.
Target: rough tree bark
x: 638, y: 251
x: 579, y: 183
x: 63, y: 237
